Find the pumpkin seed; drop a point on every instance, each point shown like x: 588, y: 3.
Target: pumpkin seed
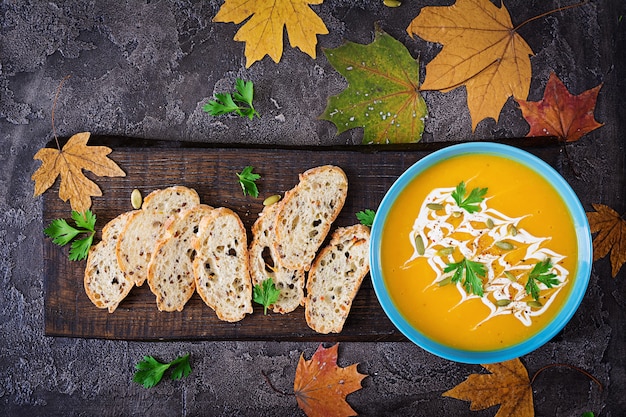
x: 510, y: 276
x: 534, y: 304
x: 512, y: 230
x: 503, y: 302
x: 135, y: 199
x: 490, y: 223
x: 501, y: 244
x: 445, y: 281
x: 435, y: 206
x: 456, y: 214
x: 419, y: 245
x: 446, y: 251
x: 392, y: 3
x: 271, y: 200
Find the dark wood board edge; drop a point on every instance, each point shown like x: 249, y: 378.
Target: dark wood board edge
x: 69, y: 313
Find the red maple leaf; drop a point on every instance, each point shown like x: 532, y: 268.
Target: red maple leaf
x: 321, y: 387
x: 560, y: 113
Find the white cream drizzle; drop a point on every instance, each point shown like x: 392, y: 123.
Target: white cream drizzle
x: 437, y: 230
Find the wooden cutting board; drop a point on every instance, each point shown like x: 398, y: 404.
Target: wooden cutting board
x: 150, y: 165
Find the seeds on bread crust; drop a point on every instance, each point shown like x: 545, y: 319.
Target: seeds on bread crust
x: 306, y: 214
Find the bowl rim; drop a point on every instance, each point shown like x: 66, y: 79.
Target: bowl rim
x: 583, y: 266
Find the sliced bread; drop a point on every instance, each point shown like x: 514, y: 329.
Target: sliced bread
x: 335, y: 278
x: 105, y: 283
x: 170, y: 271
x: 264, y: 263
x: 143, y: 230
x: 306, y: 214
x: 221, y: 265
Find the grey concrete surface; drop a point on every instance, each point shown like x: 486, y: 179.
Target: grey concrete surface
x: 144, y: 69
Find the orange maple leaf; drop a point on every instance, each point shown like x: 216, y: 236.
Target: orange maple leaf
x: 263, y: 33
x: 481, y: 50
x: 321, y: 386
x: 69, y: 163
x: 507, y: 384
x: 560, y: 113
x: 611, y: 229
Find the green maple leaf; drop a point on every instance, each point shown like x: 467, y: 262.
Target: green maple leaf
x: 383, y: 91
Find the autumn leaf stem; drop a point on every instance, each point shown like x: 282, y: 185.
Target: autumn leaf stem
x: 269, y: 382
x: 565, y: 365
x: 542, y: 15
x: 54, y: 105
x: 460, y: 83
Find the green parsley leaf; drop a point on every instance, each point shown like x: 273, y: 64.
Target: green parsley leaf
x: 86, y: 220
x: 150, y: 371
x: 247, y: 180
x: 181, y: 369
x: 245, y: 92
x: 540, y: 274
x: 222, y: 105
x: 239, y: 103
x: 80, y: 248
x: 472, y: 202
x: 62, y: 233
x: 366, y: 217
x: 265, y: 294
x: 469, y: 273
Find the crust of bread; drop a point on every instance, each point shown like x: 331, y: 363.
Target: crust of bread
x: 335, y: 278
x: 306, y: 213
x: 221, y: 265
x: 170, y: 271
x: 105, y: 283
x: 263, y: 263
x: 143, y: 230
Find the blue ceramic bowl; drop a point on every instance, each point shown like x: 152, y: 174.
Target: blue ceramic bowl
x: 580, y: 281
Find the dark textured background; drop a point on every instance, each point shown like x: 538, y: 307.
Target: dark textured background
x: 144, y: 70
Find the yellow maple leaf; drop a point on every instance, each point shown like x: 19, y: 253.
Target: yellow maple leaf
x: 481, y: 50
x: 69, y: 163
x: 507, y: 384
x: 263, y: 33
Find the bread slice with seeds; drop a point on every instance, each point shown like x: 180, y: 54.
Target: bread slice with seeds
x: 143, y: 230
x: 170, y: 271
x: 335, y: 279
x: 104, y: 281
x: 306, y: 214
x: 264, y: 263
x: 221, y: 265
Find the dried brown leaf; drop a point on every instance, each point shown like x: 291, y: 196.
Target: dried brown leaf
x: 611, y: 235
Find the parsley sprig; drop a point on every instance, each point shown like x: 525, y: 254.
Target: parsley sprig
x: 239, y: 103
x: 540, y: 273
x: 247, y: 180
x: 62, y: 233
x: 469, y: 273
x: 150, y: 371
x: 366, y: 217
x: 471, y: 203
x: 265, y: 294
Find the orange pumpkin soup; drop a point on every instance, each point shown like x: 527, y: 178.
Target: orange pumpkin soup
x: 478, y: 252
